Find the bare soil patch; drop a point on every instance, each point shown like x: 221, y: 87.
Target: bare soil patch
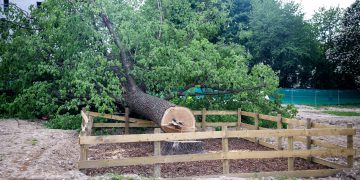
x: 30, y: 151
x: 317, y: 115
x: 115, y: 151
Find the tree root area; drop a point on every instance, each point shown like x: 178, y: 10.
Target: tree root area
x: 197, y: 168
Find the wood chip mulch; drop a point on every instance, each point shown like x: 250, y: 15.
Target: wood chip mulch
x: 198, y: 168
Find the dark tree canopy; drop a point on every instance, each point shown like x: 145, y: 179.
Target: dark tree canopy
x: 327, y: 24
x: 282, y: 39
x: 346, y: 51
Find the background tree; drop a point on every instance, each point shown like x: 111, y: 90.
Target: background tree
x: 346, y: 51
x: 237, y: 28
x: 282, y: 39
x: 327, y: 24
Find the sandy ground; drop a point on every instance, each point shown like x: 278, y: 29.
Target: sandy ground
x: 30, y: 151
x: 317, y: 115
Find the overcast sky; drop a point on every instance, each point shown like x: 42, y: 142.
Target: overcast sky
x: 309, y: 6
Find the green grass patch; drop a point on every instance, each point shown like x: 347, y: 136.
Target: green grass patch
x: 342, y: 113
x: 34, y: 141
x: 119, y: 177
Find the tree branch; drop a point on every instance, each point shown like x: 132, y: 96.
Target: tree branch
x: 131, y: 86
x: 161, y: 17
x: 25, y: 13
x: 220, y: 91
x: 19, y: 25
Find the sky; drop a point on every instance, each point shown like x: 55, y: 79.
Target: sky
x: 309, y: 6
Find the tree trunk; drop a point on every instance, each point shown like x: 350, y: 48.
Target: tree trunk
x: 169, y: 117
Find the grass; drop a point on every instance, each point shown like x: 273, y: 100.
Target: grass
x: 342, y: 113
x: 338, y: 106
x: 119, y: 177
x: 34, y: 141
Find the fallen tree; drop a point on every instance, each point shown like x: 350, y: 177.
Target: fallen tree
x: 78, y: 53
x: 169, y: 117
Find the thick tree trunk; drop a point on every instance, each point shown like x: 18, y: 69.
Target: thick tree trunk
x: 169, y: 117
x: 151, y: 107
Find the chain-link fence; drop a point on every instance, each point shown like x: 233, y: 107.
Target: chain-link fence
x: 319, y: 97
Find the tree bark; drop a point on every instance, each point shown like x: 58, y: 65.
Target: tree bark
x: 169, y: 117
x: 150, y: 107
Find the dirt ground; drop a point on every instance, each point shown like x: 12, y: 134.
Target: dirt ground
x: 317, y: 115
x: 30, y: 151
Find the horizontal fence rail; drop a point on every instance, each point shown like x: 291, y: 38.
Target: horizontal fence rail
x: 213, y: 135
x: 135, y: 122
x: 252, y: 133
x: 213, y: 156
x: 280, y: 174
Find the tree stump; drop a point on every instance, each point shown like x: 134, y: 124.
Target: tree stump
x: 182, y: 147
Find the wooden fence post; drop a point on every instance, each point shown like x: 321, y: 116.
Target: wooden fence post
x: 203, y: 119
x: 350, y: 145
x: 308, y: 138
x: 83, y: 148
x: 225, y: 149
x: 238, y: 119
x: 90, y: 124
x: 127, y: 112
x: 84, y: 131
x: 257, y: 127
x: 279, y: 126
x: 290, y: 147
x: 157, y: 152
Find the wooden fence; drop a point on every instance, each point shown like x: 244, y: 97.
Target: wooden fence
x: 253, y: 133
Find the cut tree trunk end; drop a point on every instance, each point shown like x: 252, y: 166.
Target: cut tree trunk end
x: 178, y: 119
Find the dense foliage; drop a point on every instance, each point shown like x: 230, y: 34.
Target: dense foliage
x: 60, y: 58
x: 64, y: 60
x: 327, y: 23
x: 282, y: 39
x: 346, y: 50
x: 275, y: 33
